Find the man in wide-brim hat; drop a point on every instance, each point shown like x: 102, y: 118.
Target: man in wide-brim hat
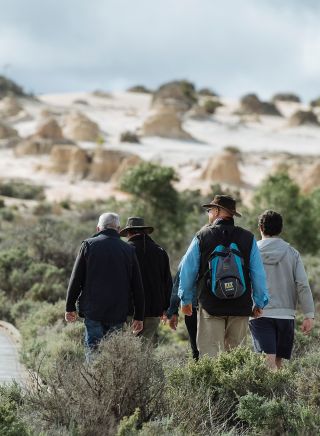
x: 155, y: 272
x: 222, y: 323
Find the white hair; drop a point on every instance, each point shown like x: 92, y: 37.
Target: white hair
x: 109, y: 220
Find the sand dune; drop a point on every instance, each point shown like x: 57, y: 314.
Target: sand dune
x: 260, y: 139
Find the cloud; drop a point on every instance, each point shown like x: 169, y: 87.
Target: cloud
x: 232, y: 46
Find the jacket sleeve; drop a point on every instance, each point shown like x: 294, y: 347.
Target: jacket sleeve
x: 258, y: 277
x: 167, y: 281
x: 303, y: 289
x: 137, y: 289
x: 190, y: 265
x: 77, y: 279
x: 174, y: 300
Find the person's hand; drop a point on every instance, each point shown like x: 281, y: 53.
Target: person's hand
x: 70, y: 316
x: 137, y: 326
x: 257, y: 312
x: 164, y: 318
x: 187, y: 309
x: 173, y: 322
x: 307, y: 326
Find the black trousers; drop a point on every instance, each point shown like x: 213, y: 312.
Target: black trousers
x: 191, y: 324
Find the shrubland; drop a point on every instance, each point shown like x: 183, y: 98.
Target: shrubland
x: 131, y: 389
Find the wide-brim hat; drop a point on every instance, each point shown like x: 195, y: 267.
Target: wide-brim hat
x: 226, y: 202
x: 135, y: 223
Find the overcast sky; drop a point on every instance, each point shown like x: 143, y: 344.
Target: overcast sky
x: 233, y: 46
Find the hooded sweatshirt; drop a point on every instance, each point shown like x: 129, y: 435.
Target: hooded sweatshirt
x: 287, y: 280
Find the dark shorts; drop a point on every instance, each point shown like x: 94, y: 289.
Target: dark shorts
x: 273, y: 336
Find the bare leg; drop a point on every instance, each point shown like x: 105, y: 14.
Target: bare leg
x: 271, y: 361
x: 279, y: 362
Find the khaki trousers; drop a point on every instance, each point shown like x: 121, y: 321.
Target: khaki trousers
x: 220, y: 333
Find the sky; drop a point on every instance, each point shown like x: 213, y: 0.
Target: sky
x: 231, y: 46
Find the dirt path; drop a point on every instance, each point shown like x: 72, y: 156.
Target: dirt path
x: 10, y: 367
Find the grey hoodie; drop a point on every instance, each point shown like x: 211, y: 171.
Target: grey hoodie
x: 287, y: 279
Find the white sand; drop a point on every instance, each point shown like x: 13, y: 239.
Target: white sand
x: 127, y: 111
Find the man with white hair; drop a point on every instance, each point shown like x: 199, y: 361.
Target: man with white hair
x: 105, y: 279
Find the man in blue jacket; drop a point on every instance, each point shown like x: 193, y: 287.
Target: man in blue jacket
x: 105, y: 279
x: 222, y: 322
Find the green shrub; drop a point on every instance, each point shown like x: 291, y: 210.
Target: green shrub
x: 139, y: 89
x: 198, y: 388
x: 312, y: 266
x: 277, y: 416
x: 18, y: 189
x: 210, y: 106
x: 129, y: 136
x: 280, y: 193
x: 48, y: 283
x: 315, y: 102
x: 235, y: 372
x: 5, y: 307
x: 13, y: 265
x: 130, y: 426
x: 7, y: 214
x: 38, y: 281
x: 65, y: 204
x: 11, y: 424
x: 9, y: 87
x: 42, y: 208
x: 23, y: 309
x: 303, y: 343
x: 98, y: 396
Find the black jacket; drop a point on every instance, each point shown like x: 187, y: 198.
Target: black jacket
x: 209, y: 237
x: 106, y: 279
x: 155, y: 272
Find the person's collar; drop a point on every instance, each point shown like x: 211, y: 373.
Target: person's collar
x: 263, y: 237
x: 138, y: 237
x: 223, y: 221
x: 108, y: 232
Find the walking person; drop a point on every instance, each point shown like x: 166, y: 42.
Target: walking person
x: 288, y: 284
x: 190, y: 321
x: 155, y: 271
x: 223, y: 265
x: 105, y: 278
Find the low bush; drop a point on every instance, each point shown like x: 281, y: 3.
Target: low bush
x: 20, y: 277
x: 210, y: 106
x: 280, y: 193
x: 5, y: 307
x: 128, y: 136
x: 209, y: 390
x: 277, y: 415
x: 98, y: 396
x: 315, y: 102
x: 7, y: 214
x: 11, y: 424
x: 139, y: 89
x: 18, y: 189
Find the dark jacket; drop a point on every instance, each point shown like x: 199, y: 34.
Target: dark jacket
x: 155, y: 272
x: 105, y: 279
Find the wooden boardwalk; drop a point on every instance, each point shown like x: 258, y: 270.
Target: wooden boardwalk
x: 10, y: 367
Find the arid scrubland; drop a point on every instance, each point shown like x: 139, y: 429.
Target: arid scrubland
x: 54, y: 186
